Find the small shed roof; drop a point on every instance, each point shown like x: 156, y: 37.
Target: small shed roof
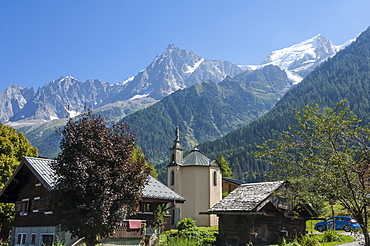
x: 233, y: 181
x: 41, y: 168
x: 246, y: 198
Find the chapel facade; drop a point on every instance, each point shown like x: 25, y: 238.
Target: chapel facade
x: 198, y: 179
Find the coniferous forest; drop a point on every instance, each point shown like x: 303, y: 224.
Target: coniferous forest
x: 206, y: 111
x: 344, y: 76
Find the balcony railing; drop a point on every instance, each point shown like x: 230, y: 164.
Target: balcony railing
x: 124, y: 231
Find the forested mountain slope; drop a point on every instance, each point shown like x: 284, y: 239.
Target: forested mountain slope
x: 207, y: 110
x: 346, y: 75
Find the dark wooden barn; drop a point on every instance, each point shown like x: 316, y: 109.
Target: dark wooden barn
x: 260, y: 213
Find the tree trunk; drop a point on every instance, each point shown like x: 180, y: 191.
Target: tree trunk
x: 362, y: 220
x: 365, y: 232
x: 90, y: 240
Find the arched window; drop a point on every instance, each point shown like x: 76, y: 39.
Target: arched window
x: 215, y: 178
x: 173, y: 158
x: 172, y: 178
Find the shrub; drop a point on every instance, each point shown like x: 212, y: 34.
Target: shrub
x: 294, y: 243
x: 188, y: 234
x: 331, y: 236
x: 281, y: 241
x: 307, y: 240
x: 186, y: 224
x: 4, y: 243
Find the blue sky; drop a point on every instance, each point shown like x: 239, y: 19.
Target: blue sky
x: 111, y: 40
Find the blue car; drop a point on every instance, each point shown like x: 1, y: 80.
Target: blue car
x: 338, y: 223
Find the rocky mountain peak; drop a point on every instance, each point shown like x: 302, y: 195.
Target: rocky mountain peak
x: 13, y: 100
x: 171, y: 47
x: 176, y: 69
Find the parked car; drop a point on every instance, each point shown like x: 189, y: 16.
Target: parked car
x: 338, y: 223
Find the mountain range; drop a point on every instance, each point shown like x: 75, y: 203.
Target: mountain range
x: 176, y: 70
x: 173, y: 70
x: 344, y: 76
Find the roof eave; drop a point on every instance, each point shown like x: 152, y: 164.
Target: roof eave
x: 238, y: 212
x: 10, y: 180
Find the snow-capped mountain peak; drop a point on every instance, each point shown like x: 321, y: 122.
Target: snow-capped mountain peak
x: 300, y: 59
x: 304, y: 53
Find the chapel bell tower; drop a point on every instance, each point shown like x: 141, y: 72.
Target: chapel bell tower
x: 198, y: 179
x: 176, y: 151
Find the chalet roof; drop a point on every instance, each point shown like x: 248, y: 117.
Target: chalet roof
x: 157, y: 190
x: 195, y: 158
x: 41, y: 168
x: 246, y: 198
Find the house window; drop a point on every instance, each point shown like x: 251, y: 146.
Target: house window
x: 47, y: 240
x: 25, y: 206
x: 36, y: 204
x: 37, y: 186
x: 148, y: 207
x: 33, y: 239
x: 21, y: 238
x: 172, y: 178
x: 215, y: 178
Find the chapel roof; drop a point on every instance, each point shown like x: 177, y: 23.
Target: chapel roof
x: 195, y: 158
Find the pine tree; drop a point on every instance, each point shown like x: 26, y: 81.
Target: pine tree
x: 225, y: 168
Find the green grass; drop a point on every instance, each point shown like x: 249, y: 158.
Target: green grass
x: 179, y: 242
x: 310, y: 225
x: 343, y: 239
x: 316, y: 240
x: 209, y: 228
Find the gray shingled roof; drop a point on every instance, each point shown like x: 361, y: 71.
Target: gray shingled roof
x: 154, y: 189
x: 41, y: 169
x: 195, y: 158
x: 246, y: 197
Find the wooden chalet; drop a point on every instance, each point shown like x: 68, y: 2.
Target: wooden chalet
x: 36, y: 224
x: 228, y: 185
x: 260, y: 213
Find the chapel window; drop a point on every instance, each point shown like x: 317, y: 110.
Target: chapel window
x: 172, y: 178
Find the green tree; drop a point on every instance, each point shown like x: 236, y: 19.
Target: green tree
x: 327, y: 156
x: 13, y: 147
x: 138, y: 155
x: 225, y: 168
x: 98, y: 181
